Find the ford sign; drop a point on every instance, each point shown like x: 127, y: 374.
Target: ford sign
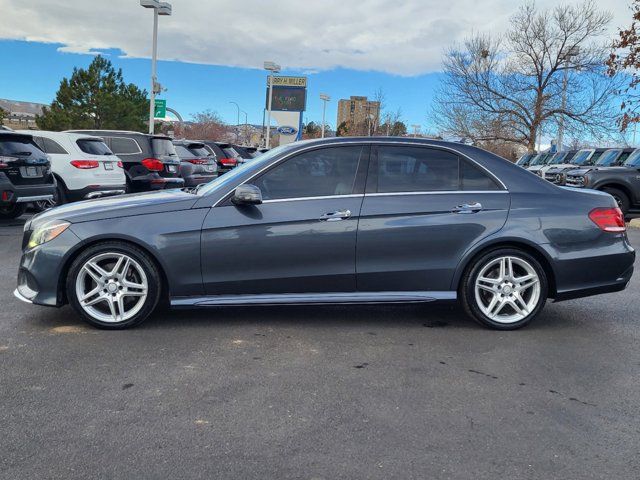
x: 286, y: 130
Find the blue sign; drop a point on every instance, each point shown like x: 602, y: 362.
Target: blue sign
x: 287, y: 130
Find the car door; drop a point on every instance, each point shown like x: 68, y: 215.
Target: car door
x: 301, y: 239
x: 423, y: 208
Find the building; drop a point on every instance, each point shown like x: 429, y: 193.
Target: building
x: 359, y: 112
x: 20, y: 115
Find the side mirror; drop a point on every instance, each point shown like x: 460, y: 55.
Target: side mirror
x: 247, y: 195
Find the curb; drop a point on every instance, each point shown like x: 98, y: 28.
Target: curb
x: 634, y: 223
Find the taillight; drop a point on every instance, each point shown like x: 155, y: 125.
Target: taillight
x: 120, y: 164
x: 608, y: 219
x: 4, y: 161
x: 228, y: 161
x: 85, y: 164
x: 153, y: 164
x: 198, y: 161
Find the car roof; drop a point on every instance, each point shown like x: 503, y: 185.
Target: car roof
x: 12, y: 133
x: 119, y: 132
x: 51, y: 134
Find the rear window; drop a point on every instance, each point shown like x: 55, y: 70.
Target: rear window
x: 124, y: 146
x: 19, y: 146
x: 231, y: 153
x: 183, y: 152
x: 162, y: 147
x: 199, y: 152
x: 93, y: 146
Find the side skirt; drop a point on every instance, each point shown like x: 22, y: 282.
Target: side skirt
x: 311, y: 298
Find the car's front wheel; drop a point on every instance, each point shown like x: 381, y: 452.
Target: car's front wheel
x: 504, y: 289
x: 113, y: 285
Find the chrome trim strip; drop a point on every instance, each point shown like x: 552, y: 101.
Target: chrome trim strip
x: 35, y: 198
x: 21, y: 297
x: 363, y: 142
x: 443, y: 192
x: 322, y: 197
x: 312, y: 298
x: 104, y: 193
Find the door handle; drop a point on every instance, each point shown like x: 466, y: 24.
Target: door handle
x: 335, y: 216
x: 468, y: 208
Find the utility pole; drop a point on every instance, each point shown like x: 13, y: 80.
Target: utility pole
x: 325, y: 98
x: 237, y: 121
x: 159, y: 8
x: 574, y: 52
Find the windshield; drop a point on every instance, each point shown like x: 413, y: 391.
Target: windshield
x: 558, y: 158
x: 581, y: 157
x: 608, y: 158
x: 538, y: 159
x: 230, y: 177
x: 634, y: 159
x: 525, y: 158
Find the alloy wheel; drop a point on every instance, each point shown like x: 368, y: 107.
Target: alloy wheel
x: 507, y: 289
x: 111, y: 287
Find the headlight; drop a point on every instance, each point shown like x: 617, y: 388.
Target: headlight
x: 47, y: 232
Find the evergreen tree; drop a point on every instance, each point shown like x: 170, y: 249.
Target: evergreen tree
x: 96, y: 98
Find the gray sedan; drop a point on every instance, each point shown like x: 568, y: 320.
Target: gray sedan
x: 351, y: 220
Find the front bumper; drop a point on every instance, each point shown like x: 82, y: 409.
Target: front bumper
x: 40, y: 275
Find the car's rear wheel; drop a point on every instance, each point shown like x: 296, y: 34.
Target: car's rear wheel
x: 504, y: 289
x: 114, y: 285
x: 620, y: 197
x: 13, y: 211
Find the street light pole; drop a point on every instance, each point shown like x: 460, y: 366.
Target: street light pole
x: 159, y: 8
x: 574, y: 52
x: 273, y: 68
x: 246, y: 128
x: 325, y: 98
x: 237, y: 120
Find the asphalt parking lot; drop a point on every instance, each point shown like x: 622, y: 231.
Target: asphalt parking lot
x: 416, y: 391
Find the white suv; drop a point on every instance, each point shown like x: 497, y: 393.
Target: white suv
x: 83, y: 166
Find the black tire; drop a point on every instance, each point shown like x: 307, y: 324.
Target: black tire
x: 467, y: 288
x: 151, y: 271
x: 621, y: 198
x: 13, y: 211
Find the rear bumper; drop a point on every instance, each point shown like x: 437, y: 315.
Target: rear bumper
x: 24, y: 193
x: 96, y: 191
x: 198, y: 179
x: 153, y: 181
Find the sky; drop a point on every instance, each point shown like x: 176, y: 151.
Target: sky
x: 211, y: 51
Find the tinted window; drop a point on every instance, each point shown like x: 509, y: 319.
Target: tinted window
x: 51, y: 146
x: 634, y: 159
x: 231, y: 153
x: 162, y: 147
x: 608, y: 158
x: 19, y: 146
x: 183, y: 152
x: 473, y: 178
x: 124, y: 146
x: 327, y: 171
x: 93, y: 147
x: 622, y: 158
x: 199, y: 152
x: 414, y: 169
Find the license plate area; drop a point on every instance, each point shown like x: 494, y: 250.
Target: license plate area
x: 172, y: 168
x: 31, y: 172
x: 108, y: 165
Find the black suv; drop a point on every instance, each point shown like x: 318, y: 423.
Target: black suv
x: 621, y: 181
x: 25, y: 174
x: 224, y: 157
x: 150, y: 161
x: 197, y: 164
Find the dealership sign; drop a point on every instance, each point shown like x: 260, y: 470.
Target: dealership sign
x: 288, y: 81
x: 287, y: 130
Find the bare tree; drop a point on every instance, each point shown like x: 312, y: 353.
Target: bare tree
x: 546, y: 69
x: 625, y: 57
x: 206, y: 125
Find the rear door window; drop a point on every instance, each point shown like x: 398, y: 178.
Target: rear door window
x: 124, y: 146
x: 93, y: 146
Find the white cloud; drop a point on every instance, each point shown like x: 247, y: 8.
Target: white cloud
x: 405, y: 37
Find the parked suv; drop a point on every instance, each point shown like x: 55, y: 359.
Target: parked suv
x: 197, y: 165
x: 25, y: 174
x: 83, y: 165
x: 583, y: 158
x: 150, y: 161
x: 558, y: 158
x: 224, y: 161
x: 622, y: 181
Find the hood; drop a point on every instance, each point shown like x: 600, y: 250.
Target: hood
x: 118, y: 206
x: 579, y: 171
x: 561, y: 168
